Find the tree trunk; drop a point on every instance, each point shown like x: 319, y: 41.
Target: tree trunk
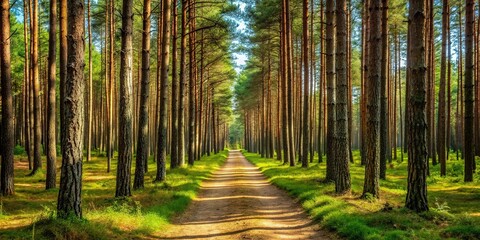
x: 174, y: 110
x: 372, y: 134
x: 125, y: 115
x: 181, y: 103
x: 330, y: 68
x: 70, y: 193
x: 417, y: 127
x: 283, y: 59
x: 469, y: 140
x: 51, y: 122
x: 90, y: 86
x: 383, y: 93
x: 441, y: 130
x: 342, y: 146
x: 37, y: 132
x: 191, y: 85
x: 7, y: 129
x: 162, y: 130
x: 306, y: 82
x: 142, y: 145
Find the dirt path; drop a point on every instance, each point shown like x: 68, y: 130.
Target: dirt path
x: 237, y: 202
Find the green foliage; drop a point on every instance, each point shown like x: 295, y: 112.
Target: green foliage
x: 31, y: 212
x: 19, y: 151
x: 454, y: 205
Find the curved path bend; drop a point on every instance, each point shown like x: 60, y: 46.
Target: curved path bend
x: 237, y: 202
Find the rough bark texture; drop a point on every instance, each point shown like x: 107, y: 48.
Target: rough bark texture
x: 162, y: 129
x: 181, y: 101
x: 372, y: 134
x: 290, y: 80
x: 417, y: 130
x: 191, y: 85
x: 174, y: 110
x: 90, y: 86
x: 383, y: 93
x: 469, y: 141
x: 51, y: 121
x: 342, y: 146
x: 142, y: 147
x: 63, y: 59
x: 306, y: 104
x: 7, y: 127
x: 37, y: 132
x: 283, y: 53
x: 330, y: 69
x: 441, y: 130
x: 125, y: 108
x: 69, y: 196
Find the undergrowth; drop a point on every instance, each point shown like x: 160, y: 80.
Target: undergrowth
x: 454, y: 205
x: 31, y: 213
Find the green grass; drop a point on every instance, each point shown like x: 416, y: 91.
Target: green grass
x: 454, y: 205
x: 31, y: 212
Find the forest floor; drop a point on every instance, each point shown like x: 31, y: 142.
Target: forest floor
x: 454, y: 205
x: 237, y: 202
x: 30, y: 213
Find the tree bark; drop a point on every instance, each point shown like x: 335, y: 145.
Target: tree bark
x: 7, y: 129
x: 372, y: 134
x: 37, y: 129
x: 330, y: 69
x: 441, y: 130
x: 90, y: 86
x: 306, y: 82
x: 162, y: 130
x: 469, y: 140
x: 51, y: 121
x: 142, y: 145
x: 70, y: 193
x: 181, y: 102
x: 383, y: 93
x: 417, y: 127
x: 125, y: 115
x: 174, y: 110
x: 342, y: 146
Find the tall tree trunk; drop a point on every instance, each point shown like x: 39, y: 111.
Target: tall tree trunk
x: 162, y: 130
x: 37, y: 133
x: 174, y: 110
x: 342, y: 146
x: 417, y: 127
x: 26, y: 84
x: 125, y: 116
x: 70, y: 193
x: 142, y: 147
x: 181, y: 102
x: 111, y: 85
x: 7, y: 129
x: 191, y: 84
x: 469, y: 141
x: 290, y: 89
x: 51, y: 122
x: 283, y: 59
x: 330, y: 68
x: 441, y: 130
x: 383, y: 93
x: 306, y: 82
x: 372, y: 134
x: 90, y: 86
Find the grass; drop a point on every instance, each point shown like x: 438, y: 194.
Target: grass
x: 454, y: 205
x: 30, y: 214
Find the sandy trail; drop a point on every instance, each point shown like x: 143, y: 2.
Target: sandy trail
x: 237, y: 202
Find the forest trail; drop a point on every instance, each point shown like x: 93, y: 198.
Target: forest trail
x: 237, y: 202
